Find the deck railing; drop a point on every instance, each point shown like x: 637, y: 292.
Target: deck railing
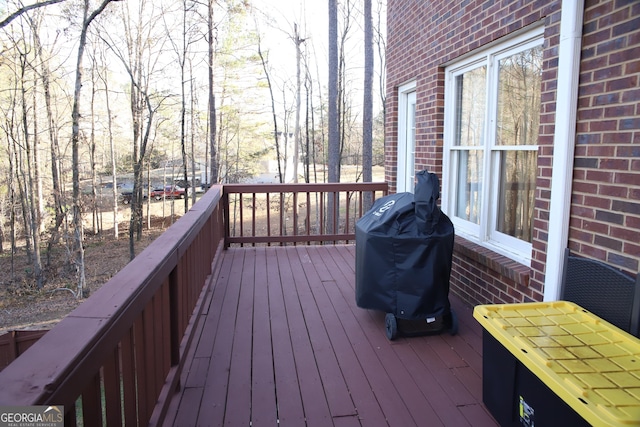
x: 296, y: 213
x: 117, y: 359
x: 14, y: 343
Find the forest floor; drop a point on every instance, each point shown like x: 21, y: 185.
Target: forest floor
x: 23, y: 306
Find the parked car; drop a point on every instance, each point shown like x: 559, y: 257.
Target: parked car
x: 126, y: 196
x: 169, y: 192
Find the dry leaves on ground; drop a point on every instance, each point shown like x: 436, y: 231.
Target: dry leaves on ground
x: 22, y: 306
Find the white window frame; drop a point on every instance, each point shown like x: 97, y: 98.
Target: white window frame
x: 406, y: 138
x: 485, y: 233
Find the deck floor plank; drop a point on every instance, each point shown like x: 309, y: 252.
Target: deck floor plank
x: 239, y: 385
x: 263, y: 398
x: 284, y: 344
x: 288, y: 394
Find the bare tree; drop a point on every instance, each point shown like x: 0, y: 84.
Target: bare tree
x: 211, y: 42
x: 75, y: 143
x: 380, y: 42
x: 333, y: 100
x: 187, y: 37
x: 95, y: 212
x: 140, y: 56
x: 296, y: 146
x: 276, y: 133
x: 52, y: 131
x: 333, y: 113
x: 103, y: 76
x: 22, y: 132
x: 367, y: 113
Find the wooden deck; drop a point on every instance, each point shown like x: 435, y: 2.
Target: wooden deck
x: 282, y: 342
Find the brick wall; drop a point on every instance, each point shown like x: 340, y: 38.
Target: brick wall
x: 422, y: 38
x: 605, y: 210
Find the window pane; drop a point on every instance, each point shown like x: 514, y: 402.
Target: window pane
x: 469, y: 185
x: 515, y: 198
x: 470, y: 107
x: 519, y: 82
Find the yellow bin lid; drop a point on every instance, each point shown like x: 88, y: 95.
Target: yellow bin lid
x: 589, y: 363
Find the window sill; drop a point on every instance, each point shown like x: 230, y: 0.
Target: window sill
x: 506, y: 267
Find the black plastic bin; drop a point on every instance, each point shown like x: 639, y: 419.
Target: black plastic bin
x: 404, y: 249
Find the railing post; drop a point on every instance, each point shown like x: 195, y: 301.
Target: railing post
x: 174, y: 317
x: 225, y: 214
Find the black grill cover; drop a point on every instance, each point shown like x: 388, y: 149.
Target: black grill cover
x: 404, y: 249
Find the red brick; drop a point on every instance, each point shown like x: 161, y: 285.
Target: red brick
x: 632, y: 67
x: 593, y: 252
x: 599, y: 176
x: 608, y: 242
x: 597, y: 37
x: 632, y: 249
x: 614, y: 164
x: 617, y: 138
x: 625, y: 233
x: 619, y: 111
x: 629, y: 82
x: 597, y: 202
x: 603, y: 125
x: 627, y: 178
x: 601, y: 150
x: 594, y: 227
x: 590, y: 113
x: 614, y: 191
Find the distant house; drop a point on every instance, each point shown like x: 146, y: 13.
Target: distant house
x: 529, y: 111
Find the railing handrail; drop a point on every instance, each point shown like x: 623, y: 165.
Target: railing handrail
x: 325, y: 187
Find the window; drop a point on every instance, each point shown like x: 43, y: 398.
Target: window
x: 406, y: 137
x: 492, y: 117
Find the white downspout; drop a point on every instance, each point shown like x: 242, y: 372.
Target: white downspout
x: 563, y: 143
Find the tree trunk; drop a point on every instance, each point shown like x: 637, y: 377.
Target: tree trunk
x: 112, y: 149
x: 95, y: 214
x: 35, y: 202
x: 367, y: 114
x: 334, y: 124
x: 182, y: 57
x: 59, y: 213
x: 273, y: 113
x: 193, y: 136
x: 296, y: 141
x: 213, y: 179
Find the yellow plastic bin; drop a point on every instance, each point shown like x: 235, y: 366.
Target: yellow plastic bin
x: 556, y: 364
